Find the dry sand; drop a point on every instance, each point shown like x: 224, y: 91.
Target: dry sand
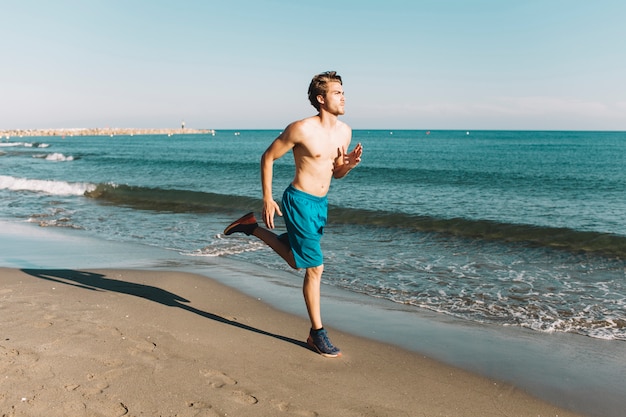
x: 144, y: 343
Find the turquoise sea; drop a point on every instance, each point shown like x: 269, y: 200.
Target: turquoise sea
x: 510, y: 231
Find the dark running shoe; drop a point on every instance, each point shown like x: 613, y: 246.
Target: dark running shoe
x: 246, y: 225
x: 319, y: 342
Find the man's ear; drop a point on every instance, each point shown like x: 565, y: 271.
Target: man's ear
x: 320, y: 99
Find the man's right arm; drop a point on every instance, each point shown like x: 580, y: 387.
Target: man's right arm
x: 281, y: 145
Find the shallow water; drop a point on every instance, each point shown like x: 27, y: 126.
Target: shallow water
x: 522, y: 229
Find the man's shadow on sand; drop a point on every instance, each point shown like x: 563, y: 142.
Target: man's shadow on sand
x: 98, y: 282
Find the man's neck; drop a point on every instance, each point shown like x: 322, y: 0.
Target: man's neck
x: 328, y: 120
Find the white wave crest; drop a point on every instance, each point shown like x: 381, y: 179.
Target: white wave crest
x: 58, y: 157
x: 219, y: 248
x: 24, y: 144
x: 45, y: 186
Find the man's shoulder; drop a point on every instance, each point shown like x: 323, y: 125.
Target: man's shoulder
x: 302, y: 128
x: 345, y: 126
x: 314, y: 123
x: 311, y: 128
x: 307, y: 123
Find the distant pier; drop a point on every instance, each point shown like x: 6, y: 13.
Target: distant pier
x: 13, y: 133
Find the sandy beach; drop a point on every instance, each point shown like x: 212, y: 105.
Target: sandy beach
x: 159, y: 343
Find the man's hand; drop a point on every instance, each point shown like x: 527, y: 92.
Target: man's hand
x: 346, y: 161
x: 353, y: 158
x: 269, y: 208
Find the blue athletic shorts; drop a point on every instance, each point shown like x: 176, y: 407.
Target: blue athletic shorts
x: 305, y: 217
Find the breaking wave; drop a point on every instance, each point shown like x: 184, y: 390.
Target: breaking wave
x: 180, y: 201
x: 51, y: 187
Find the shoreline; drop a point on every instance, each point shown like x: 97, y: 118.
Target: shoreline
x: 131, y: 342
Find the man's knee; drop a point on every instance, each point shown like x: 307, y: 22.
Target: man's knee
x: 315, y: 272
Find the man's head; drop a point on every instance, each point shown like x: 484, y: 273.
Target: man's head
x: 319, y: 86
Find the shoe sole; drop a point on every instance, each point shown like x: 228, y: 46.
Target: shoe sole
x: 316, y: 349
x: 238, y: 222
x: 227, y: 231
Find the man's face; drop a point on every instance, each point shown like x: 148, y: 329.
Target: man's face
x: 334, y: 102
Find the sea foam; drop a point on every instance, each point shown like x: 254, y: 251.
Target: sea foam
x: 58, y: 157
x: 24, y: 144
x: 45, y: 186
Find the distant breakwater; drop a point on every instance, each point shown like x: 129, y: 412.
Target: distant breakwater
x: 7, y: 134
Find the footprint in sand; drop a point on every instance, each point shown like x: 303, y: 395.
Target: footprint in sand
x: 290, y: 410
x: 92, y: 399
x: 91, y: 390
x: 143, y: 346
x: 4, y: 351
x: 17, y: 364
x: 105, y: 408
x: 144, y: 349
x: 48, y: 320
x: 200, y: 409
x: 219, y: 379
x: 243, y: 397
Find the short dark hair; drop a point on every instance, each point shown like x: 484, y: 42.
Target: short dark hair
x: 319, y: 86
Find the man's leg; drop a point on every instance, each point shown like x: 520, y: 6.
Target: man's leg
x: 311, y: 291
x: 318, y: 338
x: 311, y: 288
x: 248, y: 224
x: 272, y: 240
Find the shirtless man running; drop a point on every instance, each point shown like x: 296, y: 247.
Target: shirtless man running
x: 319, y: 145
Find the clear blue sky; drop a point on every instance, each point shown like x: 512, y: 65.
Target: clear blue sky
x: 414, y: 64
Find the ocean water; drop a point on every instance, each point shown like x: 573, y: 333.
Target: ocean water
x: 504, y: 228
